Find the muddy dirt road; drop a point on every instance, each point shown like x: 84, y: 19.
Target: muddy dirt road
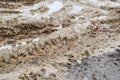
x: 60, y: 40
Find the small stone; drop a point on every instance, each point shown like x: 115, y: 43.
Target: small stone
x: 22, y: 76
x: 87, y: 53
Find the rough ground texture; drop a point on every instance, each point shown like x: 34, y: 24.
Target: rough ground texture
x: 60, y: 40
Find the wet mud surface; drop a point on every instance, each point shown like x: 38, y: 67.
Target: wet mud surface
x: 59, y: 40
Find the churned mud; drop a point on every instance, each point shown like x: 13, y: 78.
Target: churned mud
x: 59, y: 40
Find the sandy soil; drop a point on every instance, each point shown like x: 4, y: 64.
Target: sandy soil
x: 60, y: 40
